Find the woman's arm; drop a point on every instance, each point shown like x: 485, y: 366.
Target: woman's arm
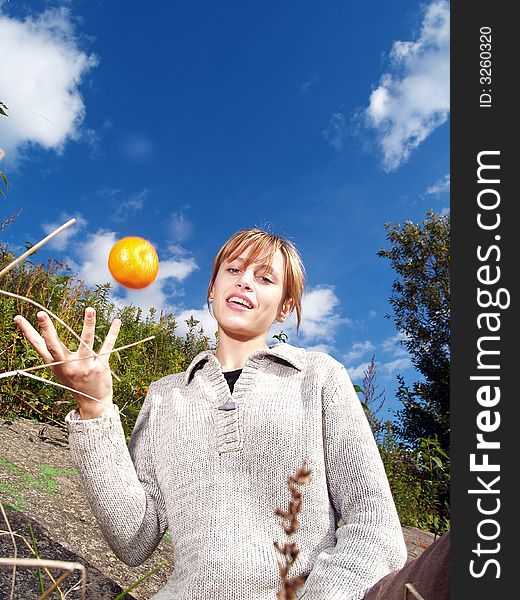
x: 370, y: 543
x: 119, y: 481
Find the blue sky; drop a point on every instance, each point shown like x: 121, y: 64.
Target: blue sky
x: 183, y: 122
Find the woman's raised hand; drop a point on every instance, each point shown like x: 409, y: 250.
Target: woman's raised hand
x: 91, y: 375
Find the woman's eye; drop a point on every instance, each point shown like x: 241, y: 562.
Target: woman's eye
x: 233, y: 270
x: 266, y: 279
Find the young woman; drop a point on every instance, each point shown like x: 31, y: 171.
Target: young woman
x: 212, y: 448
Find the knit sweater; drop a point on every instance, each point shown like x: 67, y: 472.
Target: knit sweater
x: 213, y: 478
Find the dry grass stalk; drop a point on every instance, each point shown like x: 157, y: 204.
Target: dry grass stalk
x: 39, y: 563
x: 408, y: 587
x: 32, y: 249
x: 14, y: 546
x: 289, y: 520
x: 15, y: 562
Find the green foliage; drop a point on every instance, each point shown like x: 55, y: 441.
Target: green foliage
x: 433, y: 464
x: 419, y: 479
x: 402, y: 476
x: 418, y: 473
x: 57, y: 288
x: 420, y: 255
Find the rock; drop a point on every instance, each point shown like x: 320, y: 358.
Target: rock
x: 417, y: 541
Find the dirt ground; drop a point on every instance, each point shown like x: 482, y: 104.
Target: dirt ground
x: 38, y: 481
x: 40, y: 487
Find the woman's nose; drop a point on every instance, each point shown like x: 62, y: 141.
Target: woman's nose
x: 245, y: 280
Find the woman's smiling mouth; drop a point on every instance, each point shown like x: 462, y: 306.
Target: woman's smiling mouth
x: 239, y: 301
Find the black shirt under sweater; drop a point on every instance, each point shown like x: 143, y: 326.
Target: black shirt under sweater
x: 231, y: 378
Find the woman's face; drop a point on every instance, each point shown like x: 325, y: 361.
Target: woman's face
x: 247, y: 300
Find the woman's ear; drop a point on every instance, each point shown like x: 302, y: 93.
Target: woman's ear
x: 285, y: 311
x: 210, y: 296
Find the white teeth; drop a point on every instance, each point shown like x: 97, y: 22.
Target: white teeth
x: 240, y: 301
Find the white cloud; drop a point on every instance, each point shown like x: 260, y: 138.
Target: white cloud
x: 358, y: 350
x: 153, y: 296
x: 391, y: 357
x: 63, y: 239
x: 396, y: 358
x: 306, y: 85
x: 390, y: 368
x: 320, y: 319
x: 40, y: 81
x: 441, y: 186
x: 320, y: 316
x: 120, y: 205
x: 93, y: 140
x: 91, y: 257
x: 319, y: 348
x: 394, y: 345
x: 178, y: 268
x: 356, y: 372
x: 413, y: 100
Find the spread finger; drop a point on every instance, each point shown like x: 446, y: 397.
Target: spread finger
x: 88, y: 332
x: 52, y: 341
x: 34, y: 338
x: 110, y: 340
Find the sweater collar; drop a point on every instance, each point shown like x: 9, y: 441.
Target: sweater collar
x: 292, y: 355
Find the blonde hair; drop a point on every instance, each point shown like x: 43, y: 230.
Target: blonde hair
x: 265, y: 245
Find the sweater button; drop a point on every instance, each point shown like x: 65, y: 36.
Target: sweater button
x: 227, y: 406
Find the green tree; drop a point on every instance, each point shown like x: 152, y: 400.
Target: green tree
x: 420, y: 297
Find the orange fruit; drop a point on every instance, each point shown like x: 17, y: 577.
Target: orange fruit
x: 133, y: 262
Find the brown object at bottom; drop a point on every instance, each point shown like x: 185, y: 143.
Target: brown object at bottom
x: 425, y: 578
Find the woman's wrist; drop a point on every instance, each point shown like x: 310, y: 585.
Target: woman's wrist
x: 94, y: 410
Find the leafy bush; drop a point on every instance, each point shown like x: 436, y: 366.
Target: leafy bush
x: 419, y: 479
